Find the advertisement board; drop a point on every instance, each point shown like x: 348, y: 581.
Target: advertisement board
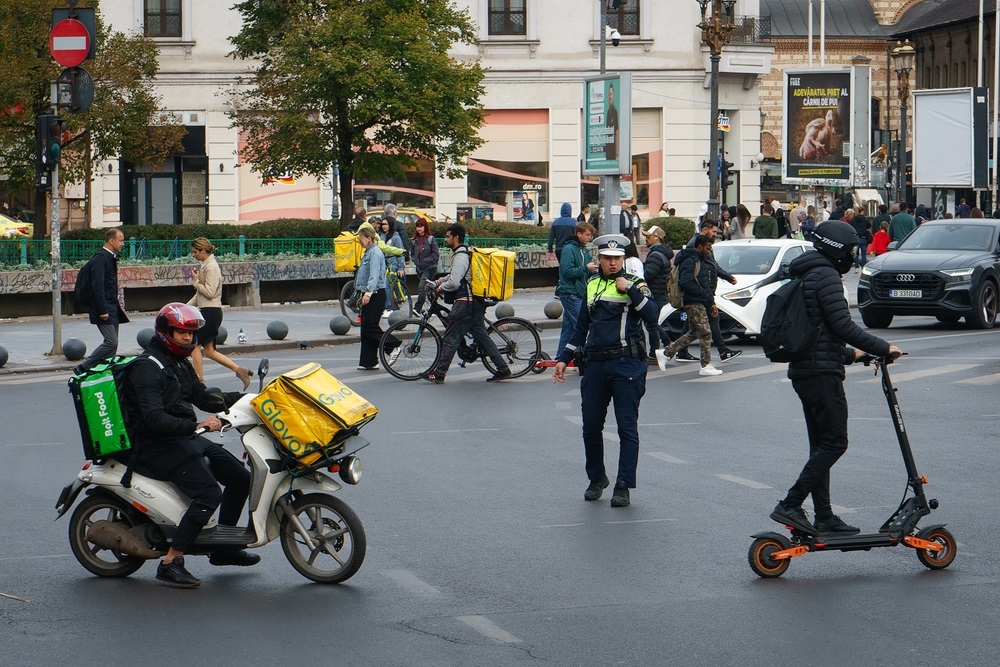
x: 817, y: 135
x: 951, y: 138
x: 607, y: 116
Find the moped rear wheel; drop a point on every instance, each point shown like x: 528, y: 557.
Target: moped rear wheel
x: 337, y: 535
x: 760, y: 557
x: 938, y: 560
x: 98, y: 560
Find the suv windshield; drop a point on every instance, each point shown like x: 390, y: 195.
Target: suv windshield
x: 950, y: 237
x: 745, y: 259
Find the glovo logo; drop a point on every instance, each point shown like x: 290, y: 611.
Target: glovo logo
x: 341, y: 394
x: 272, y: 414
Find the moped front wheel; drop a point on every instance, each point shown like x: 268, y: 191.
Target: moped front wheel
x: 98, y: 560
x: 337, y: 536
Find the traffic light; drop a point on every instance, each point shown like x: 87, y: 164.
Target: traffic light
x: 49, y: 129
x: 726, y: 176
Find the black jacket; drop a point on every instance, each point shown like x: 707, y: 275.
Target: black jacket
x: 696, y: 289
x: 161, y: 396
x: 824, y: 293
x: 717, y: 271
x: 656, y: 269
x: 104, y: 285
x: 863, y: 227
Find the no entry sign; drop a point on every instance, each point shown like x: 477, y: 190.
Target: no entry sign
x: 69, y: 42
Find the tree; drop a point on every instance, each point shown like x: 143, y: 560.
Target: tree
x: 364, y: 86
x: 125, y: 120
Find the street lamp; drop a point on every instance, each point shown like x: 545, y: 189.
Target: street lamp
x: 902, y: 60
x: 716, y: 32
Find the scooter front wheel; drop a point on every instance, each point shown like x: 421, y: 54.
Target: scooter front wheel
x: 100, y: 561
x: 338, y: 539
x: 938, y: 560
x: 760, y: 557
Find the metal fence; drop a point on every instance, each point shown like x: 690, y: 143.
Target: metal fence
x: 751, y: 30
x: 27, y: 252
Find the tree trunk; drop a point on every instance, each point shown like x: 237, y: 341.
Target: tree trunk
x: 346, y: 196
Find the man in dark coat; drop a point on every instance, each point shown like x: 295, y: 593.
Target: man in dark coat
x: 818, y: 376
x: 105, y: 309
x: 656, y: 270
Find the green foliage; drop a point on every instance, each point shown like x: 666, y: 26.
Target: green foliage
x: 286, y: 228
x: 364, y: 86
x: 678, y: 230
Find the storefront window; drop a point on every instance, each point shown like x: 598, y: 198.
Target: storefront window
x: 490, y: 180
x: 636, y: 190
x: 414, y: 190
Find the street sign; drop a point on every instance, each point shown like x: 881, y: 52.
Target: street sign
x: 69, y: 43
x: 74, y: 90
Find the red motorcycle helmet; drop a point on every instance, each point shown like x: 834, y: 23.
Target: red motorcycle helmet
x: 178, y: 316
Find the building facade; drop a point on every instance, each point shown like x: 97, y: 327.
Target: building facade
x: 536, y: 55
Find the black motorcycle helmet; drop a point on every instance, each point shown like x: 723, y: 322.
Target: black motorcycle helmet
x: 838, y: 241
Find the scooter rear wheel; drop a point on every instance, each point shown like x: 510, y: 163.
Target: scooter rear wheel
x: 938, y: 560
x: 761, y: 561
x: 100, y: 561
x: 335, y: 530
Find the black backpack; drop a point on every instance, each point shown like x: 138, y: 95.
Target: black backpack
x: 83, y: 291
x: 786, y: 334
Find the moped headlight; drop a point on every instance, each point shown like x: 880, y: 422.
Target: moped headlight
x: 350, y: 470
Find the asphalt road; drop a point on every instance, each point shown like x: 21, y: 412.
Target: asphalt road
x: 482, y: 552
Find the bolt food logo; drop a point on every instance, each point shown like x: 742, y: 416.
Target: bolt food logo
x: 102, y: 412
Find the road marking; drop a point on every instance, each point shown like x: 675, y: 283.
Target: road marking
x: 837, y: 509
x: 994, y: 378
x: 665, y: 457
x: 927, y: 372
x: 870, y: 419
x: 35, y: 444
x: 35, y: 557
x: 638, y: 521
x: 488, y: 629
x: 744, y: 482
x: 455, y: 430
x: 672, y: 424
x: 563, y: 405
x: 562, y: 525
x: 609, y: 435
x: 738, y: 375
x: 411, y: 582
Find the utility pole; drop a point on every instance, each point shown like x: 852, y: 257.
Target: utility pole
x: 716, y: 32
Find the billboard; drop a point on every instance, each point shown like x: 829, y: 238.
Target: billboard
x: 951, y: 138
x: 607, y: 114
x: 818, y: 124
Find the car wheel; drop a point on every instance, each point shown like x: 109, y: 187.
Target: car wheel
x: 984, y: 315
x: 876, y: 319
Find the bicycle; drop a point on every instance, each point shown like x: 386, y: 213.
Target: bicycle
x: 398, y: 290
x: 516, y: 338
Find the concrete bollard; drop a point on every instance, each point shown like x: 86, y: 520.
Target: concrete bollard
x: 277, y: 330
x: 3, y: 356
x: 503, y: 310
x: 340, y: 325
x: 553, y: 310
x: 144, y: 337
x: 74, y: 349
x: 222, y: 336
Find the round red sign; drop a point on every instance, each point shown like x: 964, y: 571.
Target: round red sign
x: 69, y: 42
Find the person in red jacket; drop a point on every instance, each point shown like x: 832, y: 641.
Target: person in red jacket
x: 880, y: 241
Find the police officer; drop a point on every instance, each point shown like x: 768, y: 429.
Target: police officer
x: 608, y: 341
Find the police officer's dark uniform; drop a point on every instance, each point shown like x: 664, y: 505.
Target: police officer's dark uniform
x: 608, y: 341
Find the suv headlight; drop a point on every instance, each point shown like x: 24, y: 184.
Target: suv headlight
x: 959, y: 275
x: 867, y: 272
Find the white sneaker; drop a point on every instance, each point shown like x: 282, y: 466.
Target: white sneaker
x: 709, y: 370
x: 386, y: 313
x: 662, y: 359
x: 395, y: 355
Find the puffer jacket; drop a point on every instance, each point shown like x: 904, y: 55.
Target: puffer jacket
x: 824, y: 293
x: 696, y: 289
x: 657, y: 269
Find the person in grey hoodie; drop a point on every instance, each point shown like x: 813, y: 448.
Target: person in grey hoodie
x: 562, y: 230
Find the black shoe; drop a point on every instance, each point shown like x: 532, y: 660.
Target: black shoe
x: 834, y: 525
x: 431, y: 376
x: 795, y: 517
x: 595, y: 489
x: 242, y: 558
x: 684, y: 355
x: 175, y: 576
x: 621, y: 497
x: 727, y: 355
x: 500, y: 375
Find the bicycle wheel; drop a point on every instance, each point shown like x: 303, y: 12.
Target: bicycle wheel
x: 401, y: 297
x: 346, y: 294
x: 418, y: 353
x: 518, y: 342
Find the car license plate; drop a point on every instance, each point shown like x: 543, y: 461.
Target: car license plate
x: 905, y: 293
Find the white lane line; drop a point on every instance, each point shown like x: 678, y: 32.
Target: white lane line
x: 35, y: 444
x: 869, y: 419
x: 738, y: 375
x: 671, y: 424
x: 411, y: 582
x: 38, y: 379
x: 837, y: 509
x: 488, y: 629
x: 613, y: 437
x: 455, y: 430
x: 744, y: 482
x: 563, y: 405
x: 981, y: 380
x: 562, y: 525
x: 665, y: 457
x: 927, y: 372
x: 35, y: 557
x: 638, y: 521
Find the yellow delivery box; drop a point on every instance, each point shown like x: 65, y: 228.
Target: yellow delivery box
x: 347, y: 252
x: 492, y: 273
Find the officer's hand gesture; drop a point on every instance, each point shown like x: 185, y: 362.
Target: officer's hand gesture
x: 559, y: 372
x: 621, y: 284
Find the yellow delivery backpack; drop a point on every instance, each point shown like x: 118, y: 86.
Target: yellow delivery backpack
x: 492, y: 272
x: 347, y: 252
x: 308, y: 411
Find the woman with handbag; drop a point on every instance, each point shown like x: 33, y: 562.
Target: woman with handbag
x: 208, y: 299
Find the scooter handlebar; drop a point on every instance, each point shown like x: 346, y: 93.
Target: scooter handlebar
x: 868, y: 359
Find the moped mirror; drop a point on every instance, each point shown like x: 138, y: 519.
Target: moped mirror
x: 262, y: 370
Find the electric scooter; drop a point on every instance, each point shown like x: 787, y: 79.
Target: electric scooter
x: 771, y: 553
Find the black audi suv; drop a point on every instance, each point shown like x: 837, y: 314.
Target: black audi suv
x: 948, y: 269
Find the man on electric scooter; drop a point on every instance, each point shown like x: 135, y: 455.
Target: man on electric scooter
x: 162, y: 389
x: 818, y: 377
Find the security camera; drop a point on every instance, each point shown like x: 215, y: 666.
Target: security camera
x: 613, y: 35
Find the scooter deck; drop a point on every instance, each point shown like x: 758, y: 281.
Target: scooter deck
x: 860, y: 542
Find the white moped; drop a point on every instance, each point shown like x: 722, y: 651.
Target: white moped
x: 123, y: 522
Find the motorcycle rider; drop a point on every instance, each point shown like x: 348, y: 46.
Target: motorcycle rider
x: 162, y: 388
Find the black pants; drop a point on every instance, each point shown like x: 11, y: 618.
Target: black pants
x: 467, y: 317
x: 183, y: 462
x: 371, y: 330
x: 825, y: 406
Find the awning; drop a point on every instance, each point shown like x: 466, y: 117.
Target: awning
x: 863, y: 196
